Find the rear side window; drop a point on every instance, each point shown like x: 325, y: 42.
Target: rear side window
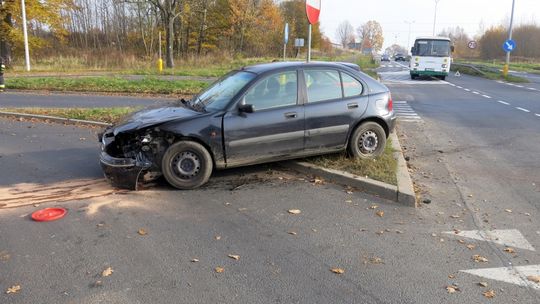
x: 351, y: 86
x: 323, y: 85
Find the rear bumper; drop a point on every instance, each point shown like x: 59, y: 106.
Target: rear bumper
x: 123, y: 172
x: 429, y: 73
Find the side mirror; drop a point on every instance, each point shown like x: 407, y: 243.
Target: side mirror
x: 452, y: 48
x: 246, y: 108
x: 412, y: 51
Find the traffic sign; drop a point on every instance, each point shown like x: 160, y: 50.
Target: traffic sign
x: 472, y: 44
x: 299, y: 42
x: 286, y: 34
x: 313, y: 10
x: 509, y: 45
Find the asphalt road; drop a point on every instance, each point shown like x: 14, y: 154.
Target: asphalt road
x: 470, y: 155
x: 52, y: 100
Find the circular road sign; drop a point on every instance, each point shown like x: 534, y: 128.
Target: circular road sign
x: 472, y: 45
x: 313, y: 10
x: 509, y: 45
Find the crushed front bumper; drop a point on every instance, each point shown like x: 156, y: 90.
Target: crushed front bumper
x: 123, y: 172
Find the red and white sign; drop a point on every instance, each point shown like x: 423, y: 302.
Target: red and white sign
x: 313, y: 10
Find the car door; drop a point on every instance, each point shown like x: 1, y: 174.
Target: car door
x: 275, y: 128
x: 335, y: 100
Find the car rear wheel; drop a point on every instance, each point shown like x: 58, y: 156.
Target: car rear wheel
x: 367, y: 141
x: 186, y: 165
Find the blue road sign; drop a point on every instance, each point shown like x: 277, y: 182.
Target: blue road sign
x: 509, y: 45
x: 286, y: 34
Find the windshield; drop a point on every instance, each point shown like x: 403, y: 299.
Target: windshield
x: 218, y: 95
x: 434, y: 48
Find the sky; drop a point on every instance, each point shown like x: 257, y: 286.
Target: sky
x: 393, y: 14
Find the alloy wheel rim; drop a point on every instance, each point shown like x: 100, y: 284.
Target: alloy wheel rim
x: 369, y: 142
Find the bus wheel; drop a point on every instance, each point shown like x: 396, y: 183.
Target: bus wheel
x: 442, y: 77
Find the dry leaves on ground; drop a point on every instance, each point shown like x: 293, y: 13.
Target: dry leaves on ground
x: 483, y: 284
x: 218, y: 237
x: 454, y: 216
x: 107, y: 272
x: 509, y: 250
x: 489, y: 294
x: 380, y: 213
x: 471, y: 246
x: 534, y: 278
x: 292, y: 233
x: 337, y: 270
x: 234, y: 256
x: 373, y: 207
x: 317, y: 181
x: 142, y: 232
x: 478, y: 258
x: 194, y: 260
x: 461, y: 241
x: 13, y: 289
x: 219, y: 269
x: 294, y: 211
x: 508, y: 210
x: 452, y: 289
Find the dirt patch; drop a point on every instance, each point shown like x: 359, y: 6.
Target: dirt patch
x: 29, y: 194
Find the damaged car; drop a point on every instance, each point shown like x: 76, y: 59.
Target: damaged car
x: 252, y: 115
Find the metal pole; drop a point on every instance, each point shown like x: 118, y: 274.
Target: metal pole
x: 309, y: 44
x: 159, y: 44
x: 410, y: 23
x: 25, y: 33
x: 435, y: 18
x: 507, y: 65
x: 284, y: 51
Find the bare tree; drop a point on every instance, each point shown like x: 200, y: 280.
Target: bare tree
x: 345, y: 33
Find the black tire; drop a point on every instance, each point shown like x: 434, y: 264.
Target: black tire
x: 367, y: 141
x: 413, y: 76
x: 442, y: 78
x: 186, y: 165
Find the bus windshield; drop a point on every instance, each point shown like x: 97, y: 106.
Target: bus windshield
x: 433, y: 48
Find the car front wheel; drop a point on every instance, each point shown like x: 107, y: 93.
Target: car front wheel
x: 367, y: 141
x: 186, y: 165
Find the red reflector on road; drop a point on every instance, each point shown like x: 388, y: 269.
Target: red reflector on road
x: 48, y: 214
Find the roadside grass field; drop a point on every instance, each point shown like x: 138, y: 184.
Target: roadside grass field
x: 108, y: 115
x: 529, y: 67
x: 148, y: 85
x: 487, y: 73
x: 382, y: 168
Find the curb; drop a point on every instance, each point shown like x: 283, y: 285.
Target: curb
x: 402, y: 193
x: 54, y: 118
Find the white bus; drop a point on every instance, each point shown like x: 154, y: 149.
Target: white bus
x: 431, y: 56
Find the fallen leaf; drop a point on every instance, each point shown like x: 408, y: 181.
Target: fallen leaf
x: 461, y: 241
x: 194, y: 260
x: 373, y: 207
x: 509, y: 250
x: 292, y: 233
x: 433, y: 234
x: 471, y: 246
x: 142, y: 232
x: 380, y: 213
x: 348, y: 201
x: 337, y: 270
x: 451, y: 276
x: 470, y: 195
x: 219, y: 269
x: 527, y: 214
x: 218, y: 237
x: 455, y: 216
x: 107, y: 272
x: 349, y: 192
x: 489, y: 294
x: 376, y: 260
x: 294, y: 211
x: 452, y: 289
x: 100, y: 225
x: 483, y: 284
x: 478, y: 258
x: 97, y: 284
x: 13, y: 289
x: 399, y: 232
x: 380, y: 232
x: 234, y: 256
x: 534, y: 278
x: 317, y: 181
x: 508, y: 210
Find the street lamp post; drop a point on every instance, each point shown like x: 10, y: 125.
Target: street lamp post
x: 410, y: 23
x: 507, y: 65
x: 435, y: 18
x: 25, y: 33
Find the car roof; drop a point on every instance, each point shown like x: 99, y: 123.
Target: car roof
x: 266, y: 67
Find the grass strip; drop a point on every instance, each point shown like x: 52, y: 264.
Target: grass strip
x: 382, y: 168
x: 487, y: 73
x: 108, y: 115
x: 148, y: 85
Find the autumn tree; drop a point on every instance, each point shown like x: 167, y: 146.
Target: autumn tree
x: 371, y: 35
x: 460, y: 40
x: 345, y: 33
x: 491, y: 43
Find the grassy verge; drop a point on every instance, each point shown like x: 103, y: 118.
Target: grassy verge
x: 498, y: 64
x: 368, y: 65
x: 487, y: 73
x: 109, y: 115
x: 383, y: 168
x: 147, y: 85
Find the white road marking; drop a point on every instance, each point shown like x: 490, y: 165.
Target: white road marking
x: 532, y: 89
x: 405, y: 113
x: 537, y: 114
x: 522, y: 109
x: 510, y: 237
x: 503, y: 102
x: 451, y: 84
x: 459, y: 87
x: 467, y: 90
x: 519, y: 86
x: 474, y: 92
x: 486, y: 96
x: 500, y: 81
x: 404, y: 77
x: 513, y: 275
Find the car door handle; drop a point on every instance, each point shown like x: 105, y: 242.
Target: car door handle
x: 352, y: 105
x: 290, y: 115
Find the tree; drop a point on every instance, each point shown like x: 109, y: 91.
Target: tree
x: 345, y: 33
x: 371, y: 35
x: 460, y: 40
x: 169, y: 11
x: 491, y: 43
x: 394, y: 49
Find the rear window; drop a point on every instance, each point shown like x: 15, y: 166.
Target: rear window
x: 351, y: 86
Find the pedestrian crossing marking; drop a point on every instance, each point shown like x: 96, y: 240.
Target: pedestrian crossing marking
x: 405, y: 113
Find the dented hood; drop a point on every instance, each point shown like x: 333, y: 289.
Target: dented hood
x: 153, y: 116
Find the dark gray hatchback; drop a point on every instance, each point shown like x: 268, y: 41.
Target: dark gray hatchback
x: 253, y: 115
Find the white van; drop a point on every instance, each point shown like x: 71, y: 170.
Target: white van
x: 431, y: 56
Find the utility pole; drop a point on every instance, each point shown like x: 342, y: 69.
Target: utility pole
x: 507, y: 65
x: 410, y: 23
x: 435, y: 18
x: 25, y: 33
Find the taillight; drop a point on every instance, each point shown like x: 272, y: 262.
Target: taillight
x: 390, y: 105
